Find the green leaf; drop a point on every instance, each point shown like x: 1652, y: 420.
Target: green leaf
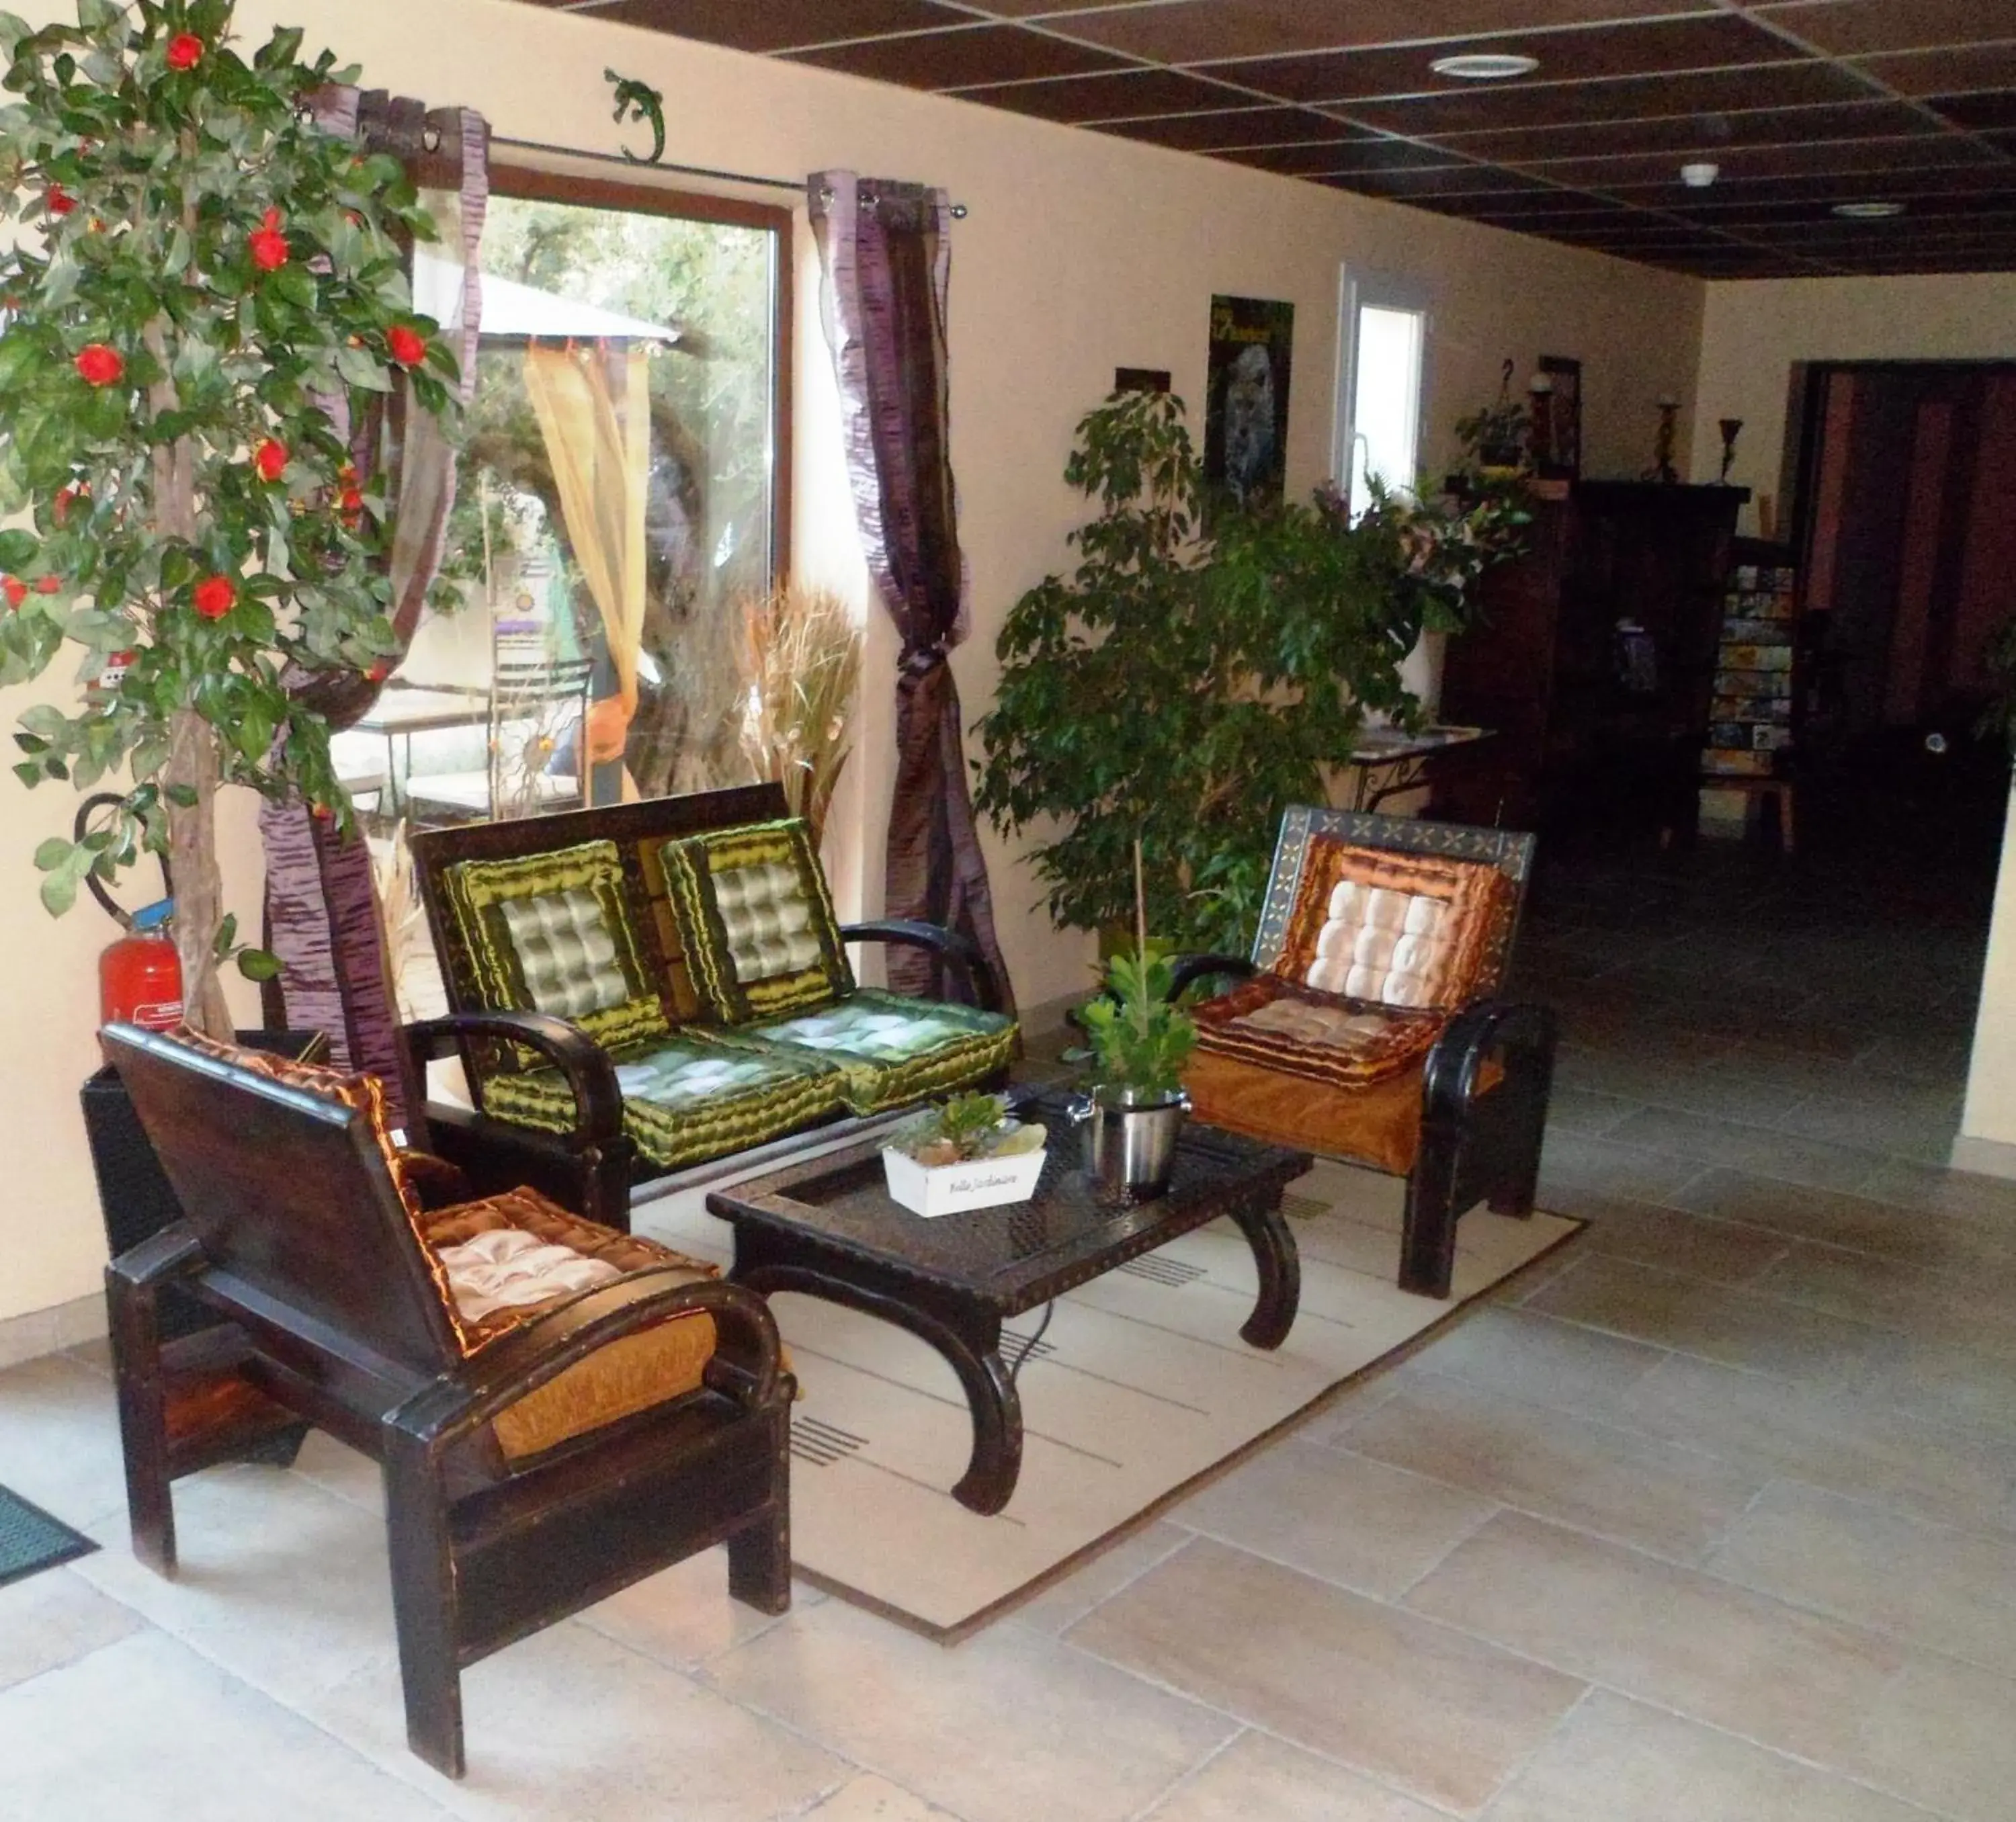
x: 58, y: 893
x: 17, y: 551
x: 182, y: 796
x: 359, y: 367
x: 258, y: 964
x: 52, y: 853
x: 227, y: 934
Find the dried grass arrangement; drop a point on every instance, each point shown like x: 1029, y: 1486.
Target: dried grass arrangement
x: 800, y: 657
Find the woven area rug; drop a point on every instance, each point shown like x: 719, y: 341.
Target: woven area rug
x: 30, y: 1540
x: 1140, y: 1387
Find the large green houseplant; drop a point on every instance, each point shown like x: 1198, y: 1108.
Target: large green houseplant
x: 1183, y: 689
x: 198, y: 275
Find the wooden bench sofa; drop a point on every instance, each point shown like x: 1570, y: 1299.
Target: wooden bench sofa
x: 705, y: 1011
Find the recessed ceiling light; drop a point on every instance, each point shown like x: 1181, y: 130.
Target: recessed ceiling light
x: 1699, y: 177
x: 1485, y: 66
x: 1869, y: 211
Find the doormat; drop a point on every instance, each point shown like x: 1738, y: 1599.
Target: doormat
x: 30, y: 1540
x: 1139, y: 1389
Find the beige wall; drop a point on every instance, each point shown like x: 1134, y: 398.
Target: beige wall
x: 1753, y: 330
x: 1081, y: 253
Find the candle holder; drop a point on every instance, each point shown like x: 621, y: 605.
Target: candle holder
x: 1728, y: 427
x: 1662, y: 468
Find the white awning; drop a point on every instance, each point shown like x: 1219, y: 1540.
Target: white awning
x: 523, y: 312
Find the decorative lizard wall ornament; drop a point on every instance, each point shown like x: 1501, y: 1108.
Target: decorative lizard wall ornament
x: 638, y: 101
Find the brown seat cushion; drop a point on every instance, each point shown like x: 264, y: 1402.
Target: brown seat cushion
x: 1275, y: 1024
x: 628, y: 1375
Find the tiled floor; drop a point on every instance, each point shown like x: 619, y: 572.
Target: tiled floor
x: 1712, y: 1517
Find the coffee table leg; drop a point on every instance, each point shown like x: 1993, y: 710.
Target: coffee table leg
x: 973, y: 1347
x: 1280, y: 1268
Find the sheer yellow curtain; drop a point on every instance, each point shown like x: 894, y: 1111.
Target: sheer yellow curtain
x: 600, y: 447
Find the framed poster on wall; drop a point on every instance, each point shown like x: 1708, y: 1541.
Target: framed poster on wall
x: 1245, y: 412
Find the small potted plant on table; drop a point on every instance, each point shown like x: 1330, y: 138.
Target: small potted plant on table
x: 971, y: 1153
x: 1140, y: 1040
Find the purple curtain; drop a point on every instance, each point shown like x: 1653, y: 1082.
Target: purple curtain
x: 885, y: 252
x: 322, y: 916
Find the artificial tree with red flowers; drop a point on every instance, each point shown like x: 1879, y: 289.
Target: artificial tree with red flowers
x: 198, y: 273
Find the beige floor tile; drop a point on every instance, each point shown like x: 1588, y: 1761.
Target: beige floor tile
x: 59, y: 1440
x: 1618, y: 1761
x: 1067, y: 1600
x: 1733, y: 1326
x: 1522, y: 1355
x: 1571, y: 1109
x: 567, y: 1723
x: 1943, y: 1737
x: 54, y: 1618
x: 282, y: 1584
x: 1667, y: 1635
x: 1359, y: 1523
x: 1260, y: 1779
x: 1987, y: 1203
x: 1008, y: 1726
x: 1573, y: 1167
x: 337, y: 1469
x: 1662, y: 1496
x: 684, y: 1616
x: 1948, y: 1591
x: 146, y: 1727
x: 870, y: 1798
x: 1676, y: 1241
x: 1863, y: 1223
x: 1443, y: 1716
x: 1976, y: 1306
x: 1947, y: 1382
x: 1831, y: 1436
x: 1735, y: 1147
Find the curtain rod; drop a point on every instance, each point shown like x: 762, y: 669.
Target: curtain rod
x: 637, y: 164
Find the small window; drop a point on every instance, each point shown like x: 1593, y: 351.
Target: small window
x: 1379, y: 416
x: 620, y: 494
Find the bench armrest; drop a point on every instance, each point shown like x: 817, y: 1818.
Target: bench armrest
x: 1186, y: 971
x: 598, y: 1101
x: 952, y: 946
x: 1522, y: 1034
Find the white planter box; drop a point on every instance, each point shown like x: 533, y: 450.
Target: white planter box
x: 949, y: 1189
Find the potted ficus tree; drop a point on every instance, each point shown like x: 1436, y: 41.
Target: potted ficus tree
x: 199, y: 275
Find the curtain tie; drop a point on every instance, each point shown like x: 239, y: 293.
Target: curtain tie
x: 921, y: 661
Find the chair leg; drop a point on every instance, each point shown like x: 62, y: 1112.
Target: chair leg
x: 759, y: 1555
x: 423, y: 1603
x: 143, y: 1428
x: 1427, y: 1234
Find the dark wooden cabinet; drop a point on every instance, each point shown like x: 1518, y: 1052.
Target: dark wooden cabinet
x: 1593, y: 654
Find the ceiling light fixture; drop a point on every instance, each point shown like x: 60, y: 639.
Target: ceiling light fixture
x: 1485, y: 66
x: 1698, y: 177
x: 1868, y: 211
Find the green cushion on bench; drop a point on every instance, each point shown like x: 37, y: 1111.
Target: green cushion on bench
x: 890, y: 1048
x: 755, y: 921
x: 686, y: 1099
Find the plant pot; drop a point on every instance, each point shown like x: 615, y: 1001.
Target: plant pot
x: 932, y: 1190
x: 1130, y: 1141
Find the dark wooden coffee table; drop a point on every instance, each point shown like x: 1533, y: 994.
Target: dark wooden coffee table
x: 828, y: 1228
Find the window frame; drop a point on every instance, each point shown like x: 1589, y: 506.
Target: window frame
x: 1359, y: 289
x: 528, y: 184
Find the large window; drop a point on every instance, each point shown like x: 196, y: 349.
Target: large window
x: 620, y: 495
x: 1381, y: 384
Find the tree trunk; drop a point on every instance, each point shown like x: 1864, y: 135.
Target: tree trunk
x: 192, y: 857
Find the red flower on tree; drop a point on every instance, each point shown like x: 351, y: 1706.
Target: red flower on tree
x: 214, y: 597
x: 184, y: 51
x: 15, y: 590
x: 406, y: 346
x: 65, y: 498
x: 270, y: 458
x: 100, y: 364
x: 268, y: 244
x: 60, y: 201
x: 47, y: 585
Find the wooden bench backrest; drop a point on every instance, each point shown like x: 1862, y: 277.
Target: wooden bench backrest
x: 290, y: 1193
x: 637, y: 829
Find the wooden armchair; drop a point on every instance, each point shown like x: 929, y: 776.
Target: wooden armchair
x: 1363, y: 1025
x: 559, y: 1409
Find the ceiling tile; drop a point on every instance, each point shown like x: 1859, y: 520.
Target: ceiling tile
x: 1947, y: 72
x: 777, y: 25
x: 1944, y: 153
x: 1191, y: 30
x: 1708, y: 133
x: 1252, y: 126
x: 1847, y: 28
x: 1565, y: 57
x: 962, y: 59
x: 1986, y: 112
x: 1345, y: 155
x: 1123, y: 95
x: 1574, y: 104
x: 1462, y: 180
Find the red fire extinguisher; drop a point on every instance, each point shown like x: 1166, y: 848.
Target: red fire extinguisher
x: 139, y: 976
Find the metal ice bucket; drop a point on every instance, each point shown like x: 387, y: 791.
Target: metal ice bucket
x: 1130, y: 1141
